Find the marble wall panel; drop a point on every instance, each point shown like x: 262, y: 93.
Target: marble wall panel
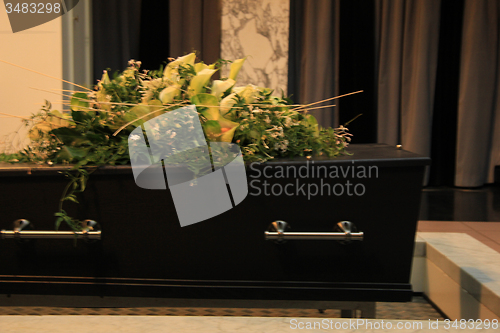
x: 258, y: 30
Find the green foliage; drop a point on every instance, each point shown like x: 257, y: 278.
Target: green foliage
x: 10, y: 158
x: 95, y: 132
x: 78, y: 182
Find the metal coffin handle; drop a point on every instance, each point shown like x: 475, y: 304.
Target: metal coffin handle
x: 19, y: 232
x: 278, y: 231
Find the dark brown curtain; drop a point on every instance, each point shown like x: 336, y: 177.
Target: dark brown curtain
x: 195, y: 25
x: 116, y: 34
x: 478, y: 133
x: 436, y: 73
x: 331, y: 53
x: 314, y: 55
x: 153, y: 31
x: 408, y: 54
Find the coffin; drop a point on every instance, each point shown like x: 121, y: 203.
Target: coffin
x: 144, y: 252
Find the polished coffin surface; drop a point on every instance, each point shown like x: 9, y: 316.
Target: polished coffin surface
x: 145, y: 252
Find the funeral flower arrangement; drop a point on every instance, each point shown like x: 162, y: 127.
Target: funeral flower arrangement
x: 96, y: 130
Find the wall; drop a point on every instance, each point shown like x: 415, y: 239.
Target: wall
x: 257, y: 29
x: 39, y: 49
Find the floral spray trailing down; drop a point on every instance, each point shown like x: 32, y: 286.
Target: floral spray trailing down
x: 96, y: 130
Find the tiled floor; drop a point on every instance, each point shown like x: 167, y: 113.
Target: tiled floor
x: 418, y: 309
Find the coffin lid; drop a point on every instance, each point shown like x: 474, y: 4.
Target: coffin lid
x: 379, y: 154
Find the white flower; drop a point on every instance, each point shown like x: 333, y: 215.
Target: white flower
x: 288, y: 121
x: 150, y: 86
x: 133, y: 63
x: 283, y: 146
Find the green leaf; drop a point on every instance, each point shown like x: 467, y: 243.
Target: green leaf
x: 83, y: 162
x: 254, y: 134
x: 69, y: 136
x: 71, y: 197
x: 96, y: 137
x: 72, y: 154
x: 58, y: 222
x: 212, y: 129
x: 82, y: 116
x: 83, y: 183
x: 153, y: 109
x: 79, y: 102
x: 209, y: 104
x: 313, y: 123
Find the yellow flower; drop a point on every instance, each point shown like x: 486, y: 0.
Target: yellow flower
x: 219, y: 87
x: 199, y: 81
x: 235, y: 68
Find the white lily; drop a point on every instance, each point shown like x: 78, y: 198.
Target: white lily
x: 171, y: 69
x: 227, y: 103
x: 199, y: 67
x: 168, y: 94
x: 219, y: 87
x: 248, y: 93
x: 199, y: 81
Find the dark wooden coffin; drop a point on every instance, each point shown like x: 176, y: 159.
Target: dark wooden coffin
x: 145, y: 253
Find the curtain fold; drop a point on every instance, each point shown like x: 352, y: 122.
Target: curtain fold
x: 116, y: 30
x: 407, y: 58
x: 314, y: 59
x: 195, y: 25
x: 478, y: 133
x: 390, y: 21
x: 153, y: 31
x: 420, y: 55
x: 407, y: 46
